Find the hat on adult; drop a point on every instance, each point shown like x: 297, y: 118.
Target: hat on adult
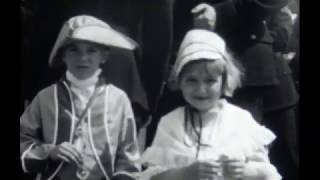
x: 89, y: 29
x: 198, y: 44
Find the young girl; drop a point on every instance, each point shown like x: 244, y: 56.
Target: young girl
x: 80, y: 127
x: 208, y: 138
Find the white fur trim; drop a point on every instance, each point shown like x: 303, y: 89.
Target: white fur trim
x: 56, y: 114
x: 23, y: 157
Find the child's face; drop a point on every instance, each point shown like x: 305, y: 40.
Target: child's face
x: 83, y: 59
x: 200, y: 88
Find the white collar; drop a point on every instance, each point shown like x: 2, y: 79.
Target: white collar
x: 214, y: 111
x: 79, y: 83
x: 212, y: 122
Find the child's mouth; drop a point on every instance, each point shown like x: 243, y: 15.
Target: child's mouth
x: 200, y: 98
x: 82, y: 67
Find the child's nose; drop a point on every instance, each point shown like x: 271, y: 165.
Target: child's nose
x: 201, y: 89
x: 84, y: 57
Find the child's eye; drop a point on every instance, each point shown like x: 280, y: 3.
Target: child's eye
x: 72, y: 49
x: 211, y: 81
x: 92, y: 50
x: 191, y: 80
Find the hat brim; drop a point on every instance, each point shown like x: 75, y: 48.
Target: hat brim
x: 200, y: 55
x: 94, y: 34
x: 103, y: 36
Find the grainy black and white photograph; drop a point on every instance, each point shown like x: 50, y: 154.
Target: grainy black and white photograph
x: 159, y: 89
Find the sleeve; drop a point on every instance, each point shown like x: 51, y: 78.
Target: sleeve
x: 126, y: 161
x: 154, y: 164
x: 33, y: 152
x: 166, y: 151
x: 258, y: 163
x: 260, y: 170
x: 159, y: 146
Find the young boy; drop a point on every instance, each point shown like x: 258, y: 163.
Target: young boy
x: 80, y: 127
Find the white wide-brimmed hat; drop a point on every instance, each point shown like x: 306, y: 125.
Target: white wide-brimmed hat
x: 90, y: 29
x: 198, y: 44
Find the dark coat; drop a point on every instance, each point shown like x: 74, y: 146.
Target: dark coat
x: 255, y: 42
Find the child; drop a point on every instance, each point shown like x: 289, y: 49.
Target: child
x: 208, y: 138
x: 80, y: 127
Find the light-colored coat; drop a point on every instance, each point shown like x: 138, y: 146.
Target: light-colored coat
x: 234, y: 134
x: 112, y: 131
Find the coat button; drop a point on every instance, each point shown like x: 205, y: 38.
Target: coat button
x: 253, y: 36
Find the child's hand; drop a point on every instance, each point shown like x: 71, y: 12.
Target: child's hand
x: 201, y: 170
x: 66, y: 152
x: 234, y: 168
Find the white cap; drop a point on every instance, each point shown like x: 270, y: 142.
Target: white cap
x: 198, y: 44
x: 91, y: 29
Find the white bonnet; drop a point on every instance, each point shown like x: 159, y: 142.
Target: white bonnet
x: 199, y: 44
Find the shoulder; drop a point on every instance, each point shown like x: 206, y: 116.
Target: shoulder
x: 244, y: 120
x: 47, y: 92
x: 174, y: 117
x: 173, y: 121
x: 116, y: 93
x: 115, y: 90
x: 117, y: 100
x: 240, y: 117
x: 43, y: 100
x: 236, y: 110
x: 170, y: 130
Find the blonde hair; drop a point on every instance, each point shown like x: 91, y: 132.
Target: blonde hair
x: 234, y: 74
